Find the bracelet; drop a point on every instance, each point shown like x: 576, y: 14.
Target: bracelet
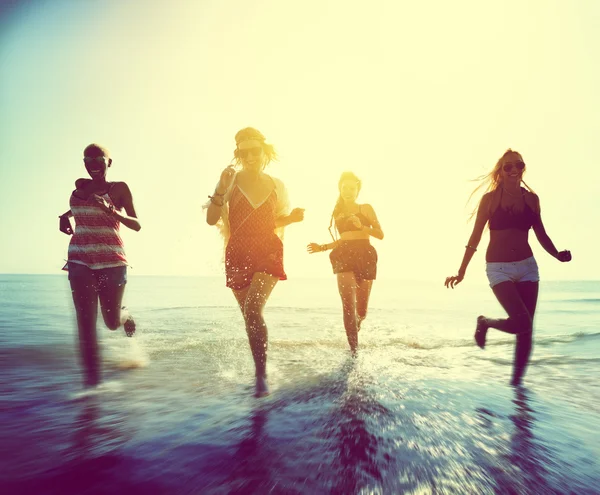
x: 111, y: 209
x: 212, y: 200
x: 324, y: 247
x: 217, y: 194
x: 471, y: 247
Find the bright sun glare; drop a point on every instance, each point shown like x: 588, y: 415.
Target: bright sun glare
x: 416, y: 102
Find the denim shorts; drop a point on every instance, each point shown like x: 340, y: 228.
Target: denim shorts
x: 103, y: 277
x: 515, y: 271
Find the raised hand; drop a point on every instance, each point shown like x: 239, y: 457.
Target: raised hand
x: 355, y: 221
x: 564, y: 256
x: 296, y: 215
x: 226, y: 179
x: 101, y: 202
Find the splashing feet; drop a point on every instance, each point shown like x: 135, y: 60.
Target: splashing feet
x: 127, y: 321
x: 129, y: 327
x: 262, y: 387
x: 481, y: 331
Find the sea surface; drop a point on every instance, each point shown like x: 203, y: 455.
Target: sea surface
x: 422, y: 410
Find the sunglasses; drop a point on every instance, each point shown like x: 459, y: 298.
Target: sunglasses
x: 92, y: 159
x: 243, y: 153
x: 509, y: 166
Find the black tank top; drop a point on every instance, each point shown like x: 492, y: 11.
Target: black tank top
x: 503, y: 219
x: 346, y: 225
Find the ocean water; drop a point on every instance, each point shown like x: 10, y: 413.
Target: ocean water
x: 422, y: 410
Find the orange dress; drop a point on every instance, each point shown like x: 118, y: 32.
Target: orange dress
x: 253, y: 245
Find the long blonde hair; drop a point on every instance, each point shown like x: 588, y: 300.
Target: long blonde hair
x: 340, y: 201
x: 246, y: 134
x: 491, y: 181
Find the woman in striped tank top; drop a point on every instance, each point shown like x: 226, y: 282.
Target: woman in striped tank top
x: 96, y: 261
x: 251, y: 208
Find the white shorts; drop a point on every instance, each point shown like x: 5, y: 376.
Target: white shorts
x: 517, y: 271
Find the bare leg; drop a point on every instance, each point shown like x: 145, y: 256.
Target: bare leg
x: 252, y: 301
x: 347, y: 289
x: 529, y: 295
x: 85, y: 299
x: 519, y: 321
x: 114, y: 315
x: 363, y: 292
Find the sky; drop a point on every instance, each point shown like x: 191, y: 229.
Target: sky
x: 417, y: 98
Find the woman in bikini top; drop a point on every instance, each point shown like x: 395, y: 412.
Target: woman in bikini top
x: 511, y: 211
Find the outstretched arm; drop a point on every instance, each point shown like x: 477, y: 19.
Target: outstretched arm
x: 471, y: 247
x: 313, y: 247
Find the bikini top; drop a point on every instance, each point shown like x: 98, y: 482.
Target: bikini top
x: 346, y: 225
x: 503, y: 219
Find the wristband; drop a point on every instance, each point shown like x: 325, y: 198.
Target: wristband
x: 212, y: 200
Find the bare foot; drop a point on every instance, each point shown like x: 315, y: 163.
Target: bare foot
x: 359, y: 323
x: 262, y: 387
x: 129, y: 323
x: 481, y: 331
x: 129, y: 327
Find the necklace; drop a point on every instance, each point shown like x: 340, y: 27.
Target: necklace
x: 509, y: 193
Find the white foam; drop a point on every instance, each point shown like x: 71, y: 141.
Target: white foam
x: 111, y: 386
x: 124, y: 352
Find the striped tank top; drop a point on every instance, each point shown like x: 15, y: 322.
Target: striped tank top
x: 96, y: 242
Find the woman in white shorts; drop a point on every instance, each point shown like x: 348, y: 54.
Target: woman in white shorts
x: 511, y: 211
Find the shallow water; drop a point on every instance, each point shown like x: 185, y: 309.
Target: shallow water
x: 421, y: 410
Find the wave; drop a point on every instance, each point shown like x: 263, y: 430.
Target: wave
x: 583, y: 300
x: 230, y: 307
x: 566, y: 338
x: 30, y: 355
x: 547, y: 360
x: 130, y: 353
x: 509, y: 340
x: 117, y: 353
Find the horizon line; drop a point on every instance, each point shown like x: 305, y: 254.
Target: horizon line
x: 408, y: 279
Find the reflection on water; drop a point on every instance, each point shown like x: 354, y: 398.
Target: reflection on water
x: 373, y: 424
x: 357, y: 462
x: 251, y: 471
x: 523, y: 451
x: 347, y: 432
x: 96, y: 432
x: 420, y: 411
